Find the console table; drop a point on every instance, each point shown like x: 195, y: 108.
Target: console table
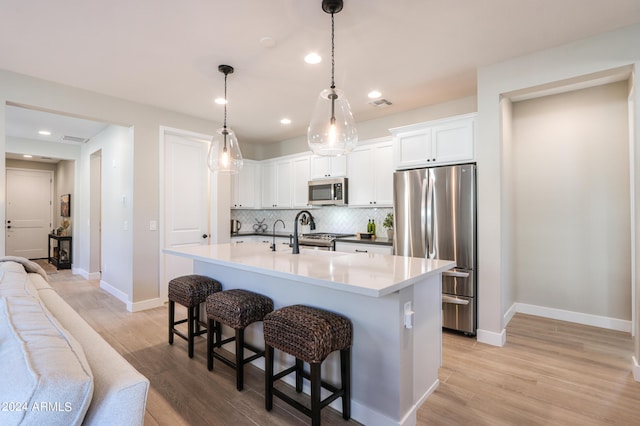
x: 60, y: 251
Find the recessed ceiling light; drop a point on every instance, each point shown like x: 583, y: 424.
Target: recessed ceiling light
x: 285, y: 121
x: 313, y: 58
x: 374, y: 94
x: 27, y: 156
x: 220, y: 101
x: 44, y: 133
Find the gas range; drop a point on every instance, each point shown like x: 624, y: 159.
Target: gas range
x: 324, y: 240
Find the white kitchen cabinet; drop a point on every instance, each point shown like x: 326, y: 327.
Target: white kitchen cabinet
x: 276, y: 184
x: 346, y: 247
x: 299, y: 181
x: 433, y: 143
x: 326, y: 167
x: 245, y: 186
x: 243, y: 239
x: 371, y: 175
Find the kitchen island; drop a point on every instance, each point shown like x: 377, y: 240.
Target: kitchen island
x: 394, y: 303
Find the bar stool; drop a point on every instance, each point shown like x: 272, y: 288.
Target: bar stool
x: 310, y: 335
x: 237, y: 309
x: 189, y: 291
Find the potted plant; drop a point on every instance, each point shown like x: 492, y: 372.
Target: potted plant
x: 388, y: 224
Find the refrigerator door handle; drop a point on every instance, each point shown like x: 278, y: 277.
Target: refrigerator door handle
x: 454, y: 300
x: 456, y: 274
x: 430, y: 254
x: 423, y: 218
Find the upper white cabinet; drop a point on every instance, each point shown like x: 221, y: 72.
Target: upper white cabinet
x: 276, y: 184
x: 371, y: 175
x: 245, y: 186
x: 326, y: 167
x: 447, y: 141
x: 299, y: 184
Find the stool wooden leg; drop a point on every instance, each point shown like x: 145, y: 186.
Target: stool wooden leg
x: 197, y: 319
x: 299, y: 368
x: 172, y: 312
x: 218, y: 334
x: 345, y: 372
x: 239, y: 358
x: 268, y: 377
x: 210, y: 343
x: 315, y: 393
x: 191, y: 326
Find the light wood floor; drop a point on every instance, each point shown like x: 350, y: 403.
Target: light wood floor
x: 549, y: 373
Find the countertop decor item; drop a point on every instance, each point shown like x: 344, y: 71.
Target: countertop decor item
x: 224, y: 153
x: 387, y: 223
x: 332, y: 130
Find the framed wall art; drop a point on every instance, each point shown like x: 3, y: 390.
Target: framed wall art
x: 65, y: 205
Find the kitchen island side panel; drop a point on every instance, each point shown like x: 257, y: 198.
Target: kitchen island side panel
x: 385, y: 381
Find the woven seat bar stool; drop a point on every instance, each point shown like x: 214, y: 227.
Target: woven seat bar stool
x: 310, y: 335
x: 237, y: 309
x: 189, y: 291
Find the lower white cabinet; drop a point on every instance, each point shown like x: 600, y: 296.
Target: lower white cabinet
x: 363, y: 248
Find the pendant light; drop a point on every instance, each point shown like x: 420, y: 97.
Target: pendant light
x: 332, y: 130
x: 224, y: 153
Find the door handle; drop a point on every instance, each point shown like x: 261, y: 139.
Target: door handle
x: 205, y: 236
x: 454, y: 300
x: 455, y: 274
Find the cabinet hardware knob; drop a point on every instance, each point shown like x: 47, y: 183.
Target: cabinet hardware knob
x: 205, y: 236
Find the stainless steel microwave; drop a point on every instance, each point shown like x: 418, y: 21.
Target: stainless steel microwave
x: 328, y: 192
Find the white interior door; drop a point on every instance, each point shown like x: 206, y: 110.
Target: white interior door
x: 186, y: 200
x: 29, y: 212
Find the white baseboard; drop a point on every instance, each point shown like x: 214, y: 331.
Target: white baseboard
x: 86, y: 275
x: 510, y: 313
x: 144, y: 305
x: 636, y: 369
x: 121, y: 296
x: 131, y: 306
x: 491, y: 338
x: 576, y: 317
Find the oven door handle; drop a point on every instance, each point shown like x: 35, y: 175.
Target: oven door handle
x: 454, y: 300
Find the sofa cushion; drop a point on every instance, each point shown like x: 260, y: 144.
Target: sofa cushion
x: 45, y: 375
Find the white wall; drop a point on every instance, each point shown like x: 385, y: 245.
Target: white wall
x: 570, y: 216
x: 116, y: 145
x: 373, y: 129
x: 597, y: 54
x: 146, y: 121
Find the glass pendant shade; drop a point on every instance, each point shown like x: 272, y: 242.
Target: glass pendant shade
x: 224, y: 153
x: 332, y: 131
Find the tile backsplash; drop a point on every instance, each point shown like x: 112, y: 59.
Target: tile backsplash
x: 342, y: 220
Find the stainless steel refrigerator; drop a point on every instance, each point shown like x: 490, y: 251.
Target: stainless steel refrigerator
x: 435, y: 217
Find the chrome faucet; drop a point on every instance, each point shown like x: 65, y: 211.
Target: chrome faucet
x: 312, y: 226
x: 273, y: 246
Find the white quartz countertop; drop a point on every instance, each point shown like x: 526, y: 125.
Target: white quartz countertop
x: 370, y: 274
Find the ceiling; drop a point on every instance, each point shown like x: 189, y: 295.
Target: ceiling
x: 166, y: 53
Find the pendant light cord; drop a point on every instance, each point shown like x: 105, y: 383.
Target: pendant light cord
x: 225, y: 100
x: 333, y: 62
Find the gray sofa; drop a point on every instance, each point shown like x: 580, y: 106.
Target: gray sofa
x: 56, y: 369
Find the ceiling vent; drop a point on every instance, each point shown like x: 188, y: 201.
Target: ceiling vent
x: 380, y: 103
x: 74, y: 139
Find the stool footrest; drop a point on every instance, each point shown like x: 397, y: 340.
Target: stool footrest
x: 257, y: 354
